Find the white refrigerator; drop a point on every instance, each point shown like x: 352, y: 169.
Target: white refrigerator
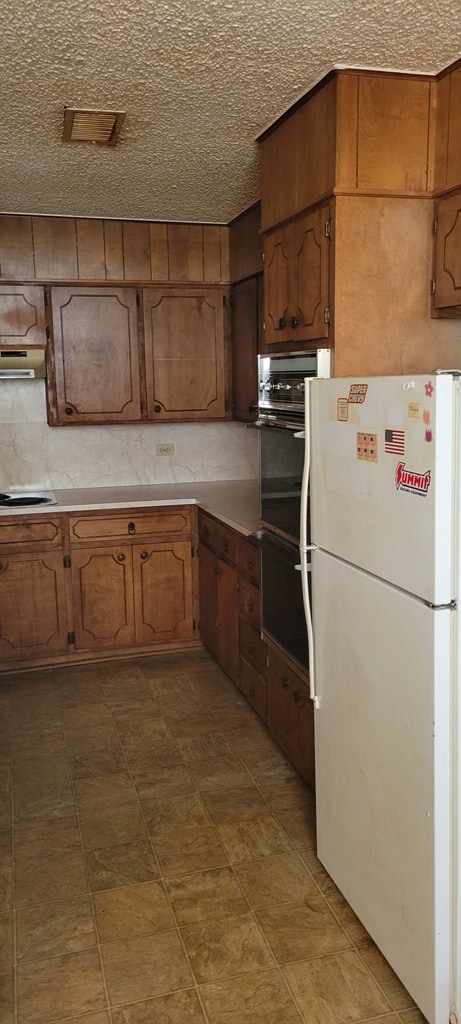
x: 383, y: 464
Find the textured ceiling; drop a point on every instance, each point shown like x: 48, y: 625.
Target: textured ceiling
x: 199, y: 80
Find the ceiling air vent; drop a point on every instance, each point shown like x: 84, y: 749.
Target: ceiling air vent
x: 92, y: 125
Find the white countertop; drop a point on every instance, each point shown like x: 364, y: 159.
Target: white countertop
x: 236, y: 502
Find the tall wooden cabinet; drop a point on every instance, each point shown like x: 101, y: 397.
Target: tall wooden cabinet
x: 246, y: 263
x: 360, y: 145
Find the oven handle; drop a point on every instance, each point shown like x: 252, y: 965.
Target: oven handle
x: 259, y: 424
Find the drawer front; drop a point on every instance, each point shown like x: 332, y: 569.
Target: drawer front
x: 104, y: 527
x: 207, y: 530
x: 35, y: 533
x: 227, y: 544
x: 250, y: 561
x: 254, y: 687
x: 252, y: 647
x: 250, y: 603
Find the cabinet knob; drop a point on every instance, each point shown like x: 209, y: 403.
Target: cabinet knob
x: 69, y: 411
x: 250, y: 563
x: 281, y: 324
x: 144, y: 555
x: 294, y: 322
x: 296, y: 696
x: 225, y: 545
x: 121, y: 557
x: 285, y: 684
x: 157, y: 408
x: 251, y: 647
x: 250, y: 604
x: 131, y: 527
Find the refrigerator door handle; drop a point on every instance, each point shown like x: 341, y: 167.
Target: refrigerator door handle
x: 305, y: 569
x: 306, y: 468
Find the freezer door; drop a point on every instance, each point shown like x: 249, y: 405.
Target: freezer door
x: 382, y: 765
x: 382, y: 478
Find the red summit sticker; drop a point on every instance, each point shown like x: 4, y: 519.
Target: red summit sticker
x: 417, y: 483
x: 357, y: 394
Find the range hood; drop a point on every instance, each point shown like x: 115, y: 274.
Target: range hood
x: 22, y: 363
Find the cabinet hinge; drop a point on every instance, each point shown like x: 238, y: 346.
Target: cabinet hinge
x: 435, y: 226
x: 47, y: 332
x: 328, y: 229
x: 194, y: 625
x: 45, y: 297
x: 264, y: 325
x: 224, y: 300
x: 433, y: 286
x: 327, y: 315
x: 264, y: 257
x: 71, y: 638
x: 192, y: 551
x: 67, y: 562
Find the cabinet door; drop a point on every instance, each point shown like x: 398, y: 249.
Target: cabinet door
x: 102, y: 584
x: 163, y: 592
x: 207, y: 589
x: 22, y: 315
x: 448, y: 253
x: 185, y: 365
x: 290, y: 716
x: 245, y: 328
x: 228, y: 619
x: 309, y: 280
x: 96, y: 360
x: 277, y: 277
x: 33, y: 620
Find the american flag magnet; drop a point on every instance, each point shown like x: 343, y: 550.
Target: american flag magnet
x: 394, y: 442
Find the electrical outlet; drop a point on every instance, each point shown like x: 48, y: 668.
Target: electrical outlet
x: 164, y: 449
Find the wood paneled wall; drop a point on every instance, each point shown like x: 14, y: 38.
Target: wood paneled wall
x: 71, y: 249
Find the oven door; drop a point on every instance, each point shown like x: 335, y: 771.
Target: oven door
x: 283, y: 618
x: 282, y: 462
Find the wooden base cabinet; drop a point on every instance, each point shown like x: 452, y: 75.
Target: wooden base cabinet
x: 132, y: 591
x: 290, y: 715
x: 33, y: 613
x: 219, y: 609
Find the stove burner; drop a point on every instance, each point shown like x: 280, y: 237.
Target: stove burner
x: 25, y: 500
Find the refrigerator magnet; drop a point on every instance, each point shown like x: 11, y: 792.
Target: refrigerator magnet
x: 394, y: 442
x: 429, y: 389
x: 414, y: 410
x: 357, y: 394
x: 342, y: 410
x: 428, y: 435
x: 427, y: 416
x: 415, y: 483
x: 367, y: 447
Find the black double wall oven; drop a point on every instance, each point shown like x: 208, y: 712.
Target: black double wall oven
x: 281, y: 424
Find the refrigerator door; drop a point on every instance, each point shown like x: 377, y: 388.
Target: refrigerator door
x: 382, y: 742
x: 382, y: 478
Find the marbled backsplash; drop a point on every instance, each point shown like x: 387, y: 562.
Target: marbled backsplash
x: 32, y: 454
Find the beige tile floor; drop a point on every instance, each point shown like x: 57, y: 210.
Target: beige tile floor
x: 157, y: 861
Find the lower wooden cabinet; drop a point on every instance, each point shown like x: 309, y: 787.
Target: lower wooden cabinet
x: 135, y: 590
x: 290, y: 715
x: 219, y: 607
x: 33, y: 613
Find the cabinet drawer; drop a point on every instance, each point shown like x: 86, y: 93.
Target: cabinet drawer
x: 207, y: 530
x: 254, y: 687
x: 106, y: 527
x: 39, y: 532
x: 252, y: 647
x: 250, y: 561
x: 227, y: 544
x: 250, y: 603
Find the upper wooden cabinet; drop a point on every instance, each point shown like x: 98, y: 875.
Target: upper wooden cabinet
x: 97, y: 371
x: 245, y: 319
x: 96, y: 360
x: 447, y: 262
x: 296, y: 272
x: 51, y: 249
x: 359, y: 131
x: 447, y: 170
x: 185, y: 353
x: 22, y: 315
